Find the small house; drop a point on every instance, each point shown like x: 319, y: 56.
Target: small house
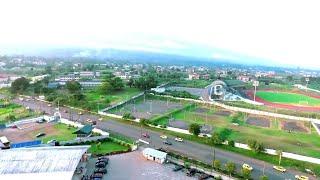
x: 84, y: 131
x: 154, y: 155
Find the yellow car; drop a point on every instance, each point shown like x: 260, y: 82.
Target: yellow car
x: 247, y: 166
x: 163, y: 137
x: 301, y: 177
x: 279, y: 168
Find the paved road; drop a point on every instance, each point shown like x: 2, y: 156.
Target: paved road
x: 191, y: 149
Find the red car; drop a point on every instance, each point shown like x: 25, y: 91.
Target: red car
x: 146, y: 135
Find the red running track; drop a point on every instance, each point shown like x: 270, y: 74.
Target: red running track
x: 250, y: 94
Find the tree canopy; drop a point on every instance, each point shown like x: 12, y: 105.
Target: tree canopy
x: 19, y: 85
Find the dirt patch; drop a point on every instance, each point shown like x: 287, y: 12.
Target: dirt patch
x: 201, y: 110
x: 258, y: 121
x: 178, y: 124
x: 27, y: 132
x: 293, y: 126
x: 223, y: 113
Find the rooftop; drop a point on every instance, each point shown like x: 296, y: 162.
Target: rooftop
x: 155, y: 153
x: 54, y: 162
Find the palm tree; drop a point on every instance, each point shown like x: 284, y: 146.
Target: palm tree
x: 230, y: 167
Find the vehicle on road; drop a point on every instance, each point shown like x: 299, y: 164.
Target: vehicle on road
x: 309, y: 171
x: 191, y: 172
x: 247, y: 166
x: 279, y: 168
x: 100, y: 119
x: 145, y: 135
x: 80, y: 113
x: 178, y: 139
x: 101, y: 165
x: 52, y: 142
x: 49, y: 105
x: 301, y: 177
x: 167, y: 142
x: 100, y: 170
x: 177, y: 168
x: 89, y: 121
x: 163, y: 137
x: 40, y: 135
x: 65, y: 111
x: 42, y: 120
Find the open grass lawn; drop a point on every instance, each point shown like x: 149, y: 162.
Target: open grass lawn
x: 288, y: 98
x: 106, y: 147
x: 17, y: 111
x: 112, y: 98
x: 60, y: 132
x: 200, y: 83
x: 295, y: 142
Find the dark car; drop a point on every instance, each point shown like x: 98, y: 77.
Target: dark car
x: 167, y: 142
x: 100, y: 165
x: 191, y: 172
x: 40, y: 135
x: 97, y: 175
x: 177, y: 168
x: 103, y: 157
x: 100, y: 170
x: 102, y: 161
x: 203, y: 176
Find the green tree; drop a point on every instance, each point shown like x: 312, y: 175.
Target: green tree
x: 216, y: 164
x: 130, y: 82
x: 230, y: 167
x: 116, y: 83
x: 19, y: 85
x: 215, y: 138
x: 105, y: 87
x: 263, y: 177
x: 255, y: 146
x: 246, y: 173
x: 73, y: 86
x: 194, y: 129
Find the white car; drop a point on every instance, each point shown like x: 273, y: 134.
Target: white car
x: 163, y: 137
x: 279, y: 168
x: 301, y: 177
x: 178, y: 139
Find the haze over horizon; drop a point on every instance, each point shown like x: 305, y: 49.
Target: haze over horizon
x: 276, y: 33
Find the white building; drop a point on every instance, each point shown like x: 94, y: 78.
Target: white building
x: 154, y: 155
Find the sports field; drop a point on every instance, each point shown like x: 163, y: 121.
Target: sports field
x: 288, y: 98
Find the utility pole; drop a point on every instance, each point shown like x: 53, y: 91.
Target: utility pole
x: 307, y: 80
x: 255, y: 84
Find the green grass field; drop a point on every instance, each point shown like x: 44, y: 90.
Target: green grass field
x: 94, y: 96
x: 296, y: 142
x: 15, y: 111
x: 107, y: 147
x: 61, y: 132
x: 288, y: 98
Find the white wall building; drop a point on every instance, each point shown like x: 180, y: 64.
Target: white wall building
x: 154, y: 155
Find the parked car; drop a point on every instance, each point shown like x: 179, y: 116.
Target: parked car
x: 163, y: 137
x: 103, y: 157
x: 40, y: 135
x: 80, y: 113
x: 191, y: 172
x: 178, y: 139
x: 301, y: 177
x: 145, y: 135
x: 103, y: 160
x: 89, y: 121
x: 52, y: 142
x: 279, y: 168
x: 42, y: 120
x: 177, y: 168
x: 167, y: 142
x: 247, y: 166
x: 310, y: 172
x: 100, y: 164
x: 203, y: 176
x: 97, y: 175
x: 101, y: 170
x: 49, y: 105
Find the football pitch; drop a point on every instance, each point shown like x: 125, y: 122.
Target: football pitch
x: 288, y: 98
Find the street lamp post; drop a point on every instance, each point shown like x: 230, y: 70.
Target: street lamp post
x: 255, y: 84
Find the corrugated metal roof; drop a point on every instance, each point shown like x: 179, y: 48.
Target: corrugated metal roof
x: 49, y: 160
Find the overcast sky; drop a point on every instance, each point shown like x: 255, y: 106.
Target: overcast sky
x: 284, y: 32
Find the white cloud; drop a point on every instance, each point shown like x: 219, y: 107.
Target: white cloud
x: 285, y: 31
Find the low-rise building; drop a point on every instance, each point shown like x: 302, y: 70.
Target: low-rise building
x: 194, y: 76
x: 154, y: 155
